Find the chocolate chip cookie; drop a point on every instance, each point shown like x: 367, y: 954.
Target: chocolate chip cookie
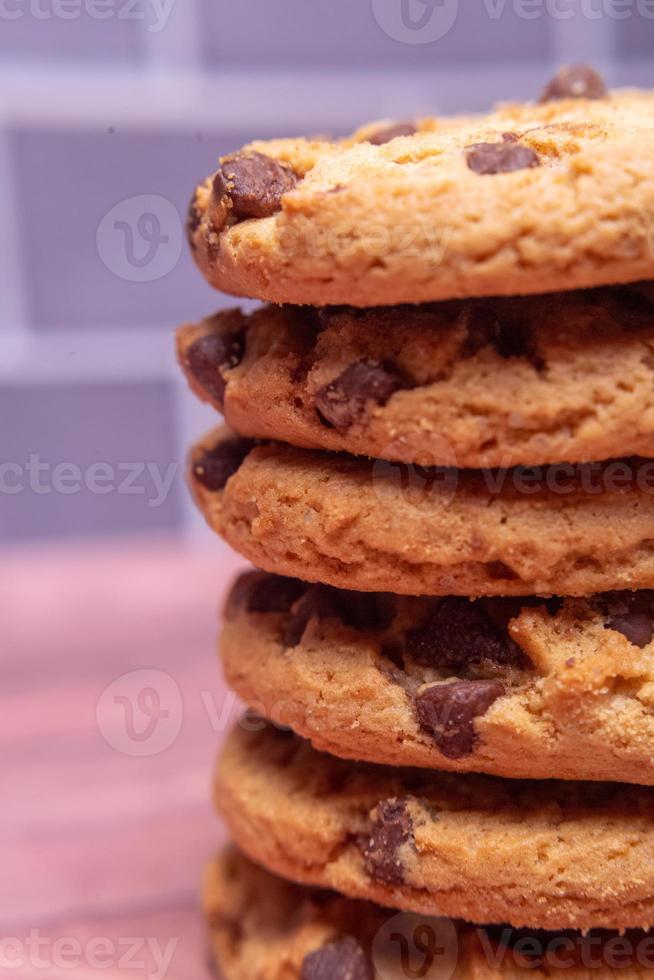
x: 562, y: 688
x: 548, y: 855
x: 373, y: 525
x: 265, y: 928
x: 494, y: 382
x: 529, y: 198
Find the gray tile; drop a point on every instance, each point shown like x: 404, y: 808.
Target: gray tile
x: 79, y: 269
x: 37, y: 30
x: 53, y: 448
x: 635, y: 34
x: 369, y: 32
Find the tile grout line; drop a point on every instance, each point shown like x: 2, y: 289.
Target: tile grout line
x: 586, y: 39
x: 12, y: 287
x: 178, y: 42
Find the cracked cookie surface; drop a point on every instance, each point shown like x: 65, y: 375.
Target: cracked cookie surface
x: 529, y: 198
x: 521, y: 688
x: 371, y: 525
x: 266, y: 928
x: 491, y: 382
x: 548, y: 854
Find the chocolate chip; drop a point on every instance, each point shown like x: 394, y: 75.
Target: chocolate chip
x: 393, y: 651
x: 388, y: 133
x: 253, y: 184
x: 630, y: 613
x: 308, y: 321
x: 636, y: 306
x: 366, y: 610
x: 318, y: 600
x: 447, y: 713
x: 212, y: 243
x: 216, y: 465
x: 260, y: 592
x: 238, y: 594
x: 344, y: 959
x: 517, y: 340
x: 274, y: 593
x: 498, y: 570
x: 502, y: 609
x: 344, y: 400
x: 501, y: 158
x: 484, y: 328
x: 392, y: 827
x: 459, y: 634
x: 361, y: 610
x: 330, y: 313
x: 575, y: 82
x: 193, y: 219
x: 212, y: 354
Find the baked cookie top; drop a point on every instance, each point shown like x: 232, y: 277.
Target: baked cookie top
x: 489, y: 382
x: 265, y: 928
x: 521, y: 688
x: 529, y: 198
x: 377, y: 526
x: 545, y: 854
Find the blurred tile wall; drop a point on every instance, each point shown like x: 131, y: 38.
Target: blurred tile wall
x: 110, y: 110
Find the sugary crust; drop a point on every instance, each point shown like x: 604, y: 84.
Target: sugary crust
x: 584, y: 389
x: 581, y: 708
x: 262, y: 928
x: 376, y: 526
x: 409, y: 221
x: 544, y: 855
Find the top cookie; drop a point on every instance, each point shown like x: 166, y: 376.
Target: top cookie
x: 530, y: 198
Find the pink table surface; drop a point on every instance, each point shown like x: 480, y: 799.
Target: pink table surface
x: 106, y: 816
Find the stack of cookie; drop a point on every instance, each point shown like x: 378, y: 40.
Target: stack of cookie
x: 438, y: 456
